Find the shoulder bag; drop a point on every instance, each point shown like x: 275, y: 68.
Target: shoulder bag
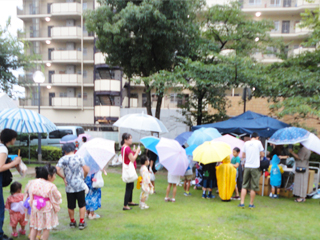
x: 301, y: 169
x: 129, y: 173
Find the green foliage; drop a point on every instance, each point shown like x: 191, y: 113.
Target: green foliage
x: 49, y: 153
x: 12, y: 57
x: 144, y: 37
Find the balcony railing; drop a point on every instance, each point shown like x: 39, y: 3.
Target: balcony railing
x: 66, y: 55
x: 63, y: 32
x: 278, y: 4
x: 70, y: 79
x: 107, y: 85
x: 99, y: 58
x: 58, y: 102
x: 65, y: 8
x: 107, y: 111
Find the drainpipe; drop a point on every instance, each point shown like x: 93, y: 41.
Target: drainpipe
x: 82, y: 55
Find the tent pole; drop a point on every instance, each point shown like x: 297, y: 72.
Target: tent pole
x: 265, y: 148
x: 29, y: 147
x: 262, y: 190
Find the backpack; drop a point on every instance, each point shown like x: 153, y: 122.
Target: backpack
x: 6, y: 175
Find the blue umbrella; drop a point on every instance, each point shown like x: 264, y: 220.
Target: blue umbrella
x: 289, y: 135
x: 150, y: 143
x: 189, y: 150
x: 202, y: 135
x: 183, y: 137
x: 68, y: 138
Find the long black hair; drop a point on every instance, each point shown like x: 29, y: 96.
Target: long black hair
x: 125, y: 136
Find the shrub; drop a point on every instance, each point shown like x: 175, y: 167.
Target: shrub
x: 49, y: 153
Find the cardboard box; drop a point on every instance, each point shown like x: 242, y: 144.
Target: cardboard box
x: 310, y: 181
x: 285, y: 193
x: 267, y: 190
x: 266, y: 180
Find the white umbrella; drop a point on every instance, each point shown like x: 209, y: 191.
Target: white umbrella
x: 172, y: 156
x: 312, y: 143
x: 141, y: 121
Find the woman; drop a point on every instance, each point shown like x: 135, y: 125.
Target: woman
x: 93, y: 198
x: 301, y: 178
x: 8, y: 138
x: 128, y: 156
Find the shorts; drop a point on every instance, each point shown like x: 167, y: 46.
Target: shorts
x: 173, y: 179
x: 16, y: 218
x: 207, y: 183
x: 251, y: 179
x: 72, y: 198
x: 188, y: 177
x: 275, y: 186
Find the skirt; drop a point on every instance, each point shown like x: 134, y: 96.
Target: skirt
x: 173, y: 179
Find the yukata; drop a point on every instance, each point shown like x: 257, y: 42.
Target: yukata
x: 93, y: 198
x: 15, y: 206
x: 145, y: 185
x: 45, y: 200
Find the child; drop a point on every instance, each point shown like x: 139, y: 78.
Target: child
x: 188, y: 177
x: 173, y: 180
x: 146, y: 186
x: 236, y: 161
x: 15, y: 206
x: 45, y: 200
x: 209, y: 180
x: 93, y: 198
x: 199, y: 177
x: 275, y: 171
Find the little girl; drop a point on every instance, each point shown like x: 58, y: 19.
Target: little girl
x: 45, y: 200
x: 93, y: 198
x: 15, y: 206
x: 146, y: 186
x: 173, y: 180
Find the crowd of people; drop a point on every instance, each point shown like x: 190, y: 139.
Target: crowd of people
x: 39, y: 204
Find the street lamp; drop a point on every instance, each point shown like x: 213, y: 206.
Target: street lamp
x: 38, y: 77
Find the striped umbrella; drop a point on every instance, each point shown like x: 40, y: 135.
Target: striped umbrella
x: 25, y: 121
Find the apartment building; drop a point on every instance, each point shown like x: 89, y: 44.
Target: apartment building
x: 79, y: 87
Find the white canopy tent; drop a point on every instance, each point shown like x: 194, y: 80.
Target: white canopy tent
x: 6, y: 102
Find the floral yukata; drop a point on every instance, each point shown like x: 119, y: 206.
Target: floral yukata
x: 145, y: 184
x: 93, y: 198
x: 45, y: 200
x: 15, y: 206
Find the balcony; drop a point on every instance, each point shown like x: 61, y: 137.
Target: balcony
x: 107, y: 85
x: 133, y: 102
x: 57, y: 102
x: 65, y: 9
x: 107, y: 111
x: 99, y: 58
x: 298, y: 51
x: 65, y: 32
x: 70, y: 80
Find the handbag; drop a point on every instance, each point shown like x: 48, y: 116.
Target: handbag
x: 129, y: 173
x: 301, y: 169
x: 99, y: 183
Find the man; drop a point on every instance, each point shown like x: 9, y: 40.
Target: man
x: 74, y: 173
x: 252, y: 151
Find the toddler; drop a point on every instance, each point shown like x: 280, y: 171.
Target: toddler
x: 275, y: 171
x: 146, y: 186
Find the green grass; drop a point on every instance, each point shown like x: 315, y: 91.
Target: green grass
x: 188, y: 218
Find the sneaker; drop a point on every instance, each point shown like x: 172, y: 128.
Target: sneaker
x: 95, y: 216
x: 211, y: 197
x: 14, y: 234
x: 251, y: 206
x: 144, y: 207
x: 167, y: 199
x: 186, y: 194
x: 275, y: 196
x: 241, y: 205
x: 82, y: 226
x: 173, y: 200
x: 189, y: 194
x: 204, y: 195
x: 73, y: 224
x: 22, y: 232
x: 235, y: 198
x: 271, y: 195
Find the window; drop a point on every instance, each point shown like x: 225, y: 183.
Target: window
x: 54, y: 135
x: 173, y: 97
x: 144, y: 99
x: 64, y: 132
x: 134, y: 95
x: 273, y: 50
x: 254, y: 2
x: 275, y: 3
x: 85, y: 73
x: 79, y: 131
x: 85, y: 6
x: 85, y: 96
x: 154, y: 97
x: 85, y: 51
x: 276, y: 26
x: 285, y: 26
x: 63, y: 94
x: 105, y: 100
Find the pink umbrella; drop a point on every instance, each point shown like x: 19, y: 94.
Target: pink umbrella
x: 172, y: 156
x: 84, y: 135
x: 232, y: 141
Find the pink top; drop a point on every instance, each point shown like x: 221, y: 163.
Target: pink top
x: 126, y: 155
x: 15, y: 198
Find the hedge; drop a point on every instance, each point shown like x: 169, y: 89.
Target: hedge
x: 49, y: 153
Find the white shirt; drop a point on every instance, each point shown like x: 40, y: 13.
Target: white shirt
x: 252, y: 150
x: 3, y: 149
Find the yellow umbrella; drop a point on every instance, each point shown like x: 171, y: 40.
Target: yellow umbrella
x: 210, y: 152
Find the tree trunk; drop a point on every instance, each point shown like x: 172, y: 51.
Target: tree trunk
x: 199, y: 115
x: 149, y: 102
x: 159, y: 103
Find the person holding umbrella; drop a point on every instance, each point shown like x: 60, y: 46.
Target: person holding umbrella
x: 129, y: 157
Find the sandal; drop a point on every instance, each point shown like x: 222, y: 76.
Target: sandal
x: 300, y: 200
x: 125, y: 209
x: 167, y: 199
x: 173, y: 200
x: 133, y: 204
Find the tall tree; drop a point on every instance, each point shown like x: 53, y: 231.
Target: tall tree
x: 224, y: 59
x: 12, y: 57
x: 144, y: 37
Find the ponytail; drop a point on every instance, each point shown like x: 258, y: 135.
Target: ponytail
x: 125, y: 136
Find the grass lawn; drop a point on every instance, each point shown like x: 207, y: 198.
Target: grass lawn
x: 188, y: 218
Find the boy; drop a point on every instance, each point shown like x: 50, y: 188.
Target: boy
x: 275, y: 171
x: 146, y: 185
x: 188, y: 177
x: 209, y: 180
x: 236, y: 161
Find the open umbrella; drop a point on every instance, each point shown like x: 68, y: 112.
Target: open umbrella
x: 68, y: 139
x: 150, y: 143
x: 232, y: 141
x: 210, y: 152
x: 172, y: 156
x: 190, y: 149
x: 202, y: 135
x: 141, y: 121
x: 183, y: 137
x: 97, y: 153
x: 312, y: 143
x: 87, y: 136
x: 289, y: 135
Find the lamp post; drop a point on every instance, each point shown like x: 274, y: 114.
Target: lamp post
x: 38, y: 77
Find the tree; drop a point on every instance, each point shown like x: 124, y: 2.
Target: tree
x: 144, y: 37
x: 12, y: 57
x: 224, y: 60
